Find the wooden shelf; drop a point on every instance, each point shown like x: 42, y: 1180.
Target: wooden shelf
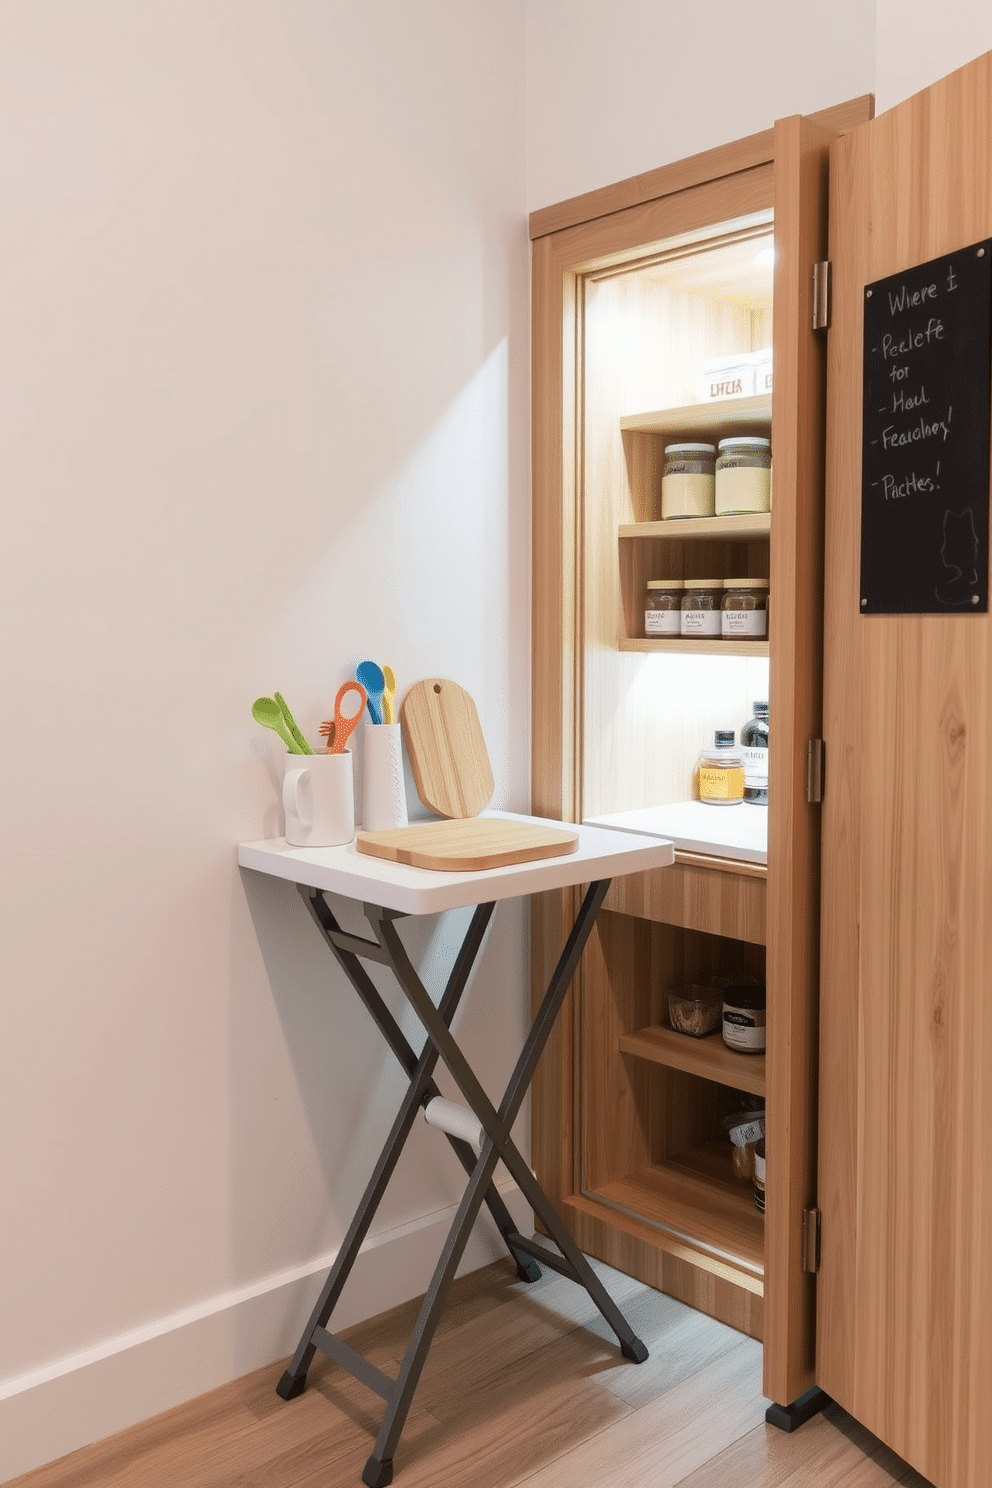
x: 697, y: 647
x: 712, y: 1219
x: 723, y: 419
x: 743, y: 524
x: 707, y: 1057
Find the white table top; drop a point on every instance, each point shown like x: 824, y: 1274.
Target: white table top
x: 739, y: 831
x: 346, y: 871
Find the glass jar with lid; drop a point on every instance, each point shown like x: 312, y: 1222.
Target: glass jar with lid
x: 663, y: 607
x: 743, y: 479
x: 688, y: 481
x: 720, y: 772
x: 744, y: 610
x: 702, y: 603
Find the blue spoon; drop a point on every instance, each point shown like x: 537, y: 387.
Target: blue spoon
x: 371, y: 677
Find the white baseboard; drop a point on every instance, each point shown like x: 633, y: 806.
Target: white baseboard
x: 80, y: 1399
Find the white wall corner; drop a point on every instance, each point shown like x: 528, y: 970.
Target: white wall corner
x: 50, y: 1412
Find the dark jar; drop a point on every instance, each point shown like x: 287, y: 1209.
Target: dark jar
x: 754, y: 743
x: 744, y: 1017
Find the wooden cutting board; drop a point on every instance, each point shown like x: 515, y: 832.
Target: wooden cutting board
x: 467, y: 843
x: 447, y: 752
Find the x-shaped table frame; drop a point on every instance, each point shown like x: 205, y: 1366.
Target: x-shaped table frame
x: 496, y: 1122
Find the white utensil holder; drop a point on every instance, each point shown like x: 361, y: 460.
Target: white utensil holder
x: 383, y: 786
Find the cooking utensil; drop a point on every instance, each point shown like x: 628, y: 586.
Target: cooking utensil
x: 388, y: 715
x: 446, y: 748
x: 340, y: 731
x: 327, y: 730
x: 371, y: 678
x: 467, y: 844
x: 267, y: 712
x: 290, y: 722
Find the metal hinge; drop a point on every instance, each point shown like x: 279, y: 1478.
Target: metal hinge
x: 816, y: 764
x: 821, y: 295
x: 811, y: 1240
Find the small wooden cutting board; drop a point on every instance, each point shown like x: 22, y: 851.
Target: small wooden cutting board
x: 447, y: 752
x: 468, y: 843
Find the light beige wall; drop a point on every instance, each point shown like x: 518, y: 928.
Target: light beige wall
x: 263, y: 413
x: 918, y: 42
x: 616, y: 89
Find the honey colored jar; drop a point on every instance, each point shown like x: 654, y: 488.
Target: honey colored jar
x: 720, y: 772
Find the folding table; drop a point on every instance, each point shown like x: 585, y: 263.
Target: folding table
x: 388, y: 891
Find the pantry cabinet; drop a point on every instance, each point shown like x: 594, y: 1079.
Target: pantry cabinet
x: 635, y: 290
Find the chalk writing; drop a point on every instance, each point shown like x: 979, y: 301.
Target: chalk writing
x: 925, y: 447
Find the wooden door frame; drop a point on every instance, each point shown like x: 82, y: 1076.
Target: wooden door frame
x: 566, y: 239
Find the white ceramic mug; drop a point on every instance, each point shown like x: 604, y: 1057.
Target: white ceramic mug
x: 318, y: 796
x: 383, y: 786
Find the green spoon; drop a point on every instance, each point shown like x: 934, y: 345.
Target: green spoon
x: 267, y: 712
x: 290, y: 722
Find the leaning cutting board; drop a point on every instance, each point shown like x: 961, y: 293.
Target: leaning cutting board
x: 447, y: 752
x: 467, y: 843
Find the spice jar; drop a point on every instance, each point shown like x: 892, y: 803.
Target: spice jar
x: 743, y: 475
x: 687, y: 482
x: 759, y: 1175
x: 744, y: 613
x: 701, y: 607
x: 744, y: 1017
x: 663, y: 607
x: 754, y: 743
x: 720, y: 771
x: 694, y: 1010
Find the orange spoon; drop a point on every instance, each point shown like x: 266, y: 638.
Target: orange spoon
x: 340, y: 731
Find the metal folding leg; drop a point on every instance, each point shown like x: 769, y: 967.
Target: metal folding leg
x: 440, y: 1044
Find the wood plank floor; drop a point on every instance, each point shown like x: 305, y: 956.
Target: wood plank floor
x: 523, y: 1385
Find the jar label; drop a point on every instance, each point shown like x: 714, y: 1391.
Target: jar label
x: 755, y: 768
x: 744, y: 1028
x: 662, y: 622
x: 721, y: 782
x: 686, y: 495
x: 701, y: 622
x: 745, y: 623
x: 742, y: 488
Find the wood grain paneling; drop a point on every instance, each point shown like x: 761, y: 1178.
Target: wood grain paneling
x: 796, y: 646
x: 905, y: 1291
x: 697, y: 897
x: 634, y: 1247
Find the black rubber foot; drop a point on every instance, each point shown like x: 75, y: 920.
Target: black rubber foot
x: 635, y: 1350
x: 789, y: 1417
x: 528, y: 1269
x: 377, y: 1474
x: 291, y: 1385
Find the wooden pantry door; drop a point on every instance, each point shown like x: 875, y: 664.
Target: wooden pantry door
x: 904, y: 1293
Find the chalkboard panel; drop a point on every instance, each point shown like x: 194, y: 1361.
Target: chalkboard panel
x: 925, y: 446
